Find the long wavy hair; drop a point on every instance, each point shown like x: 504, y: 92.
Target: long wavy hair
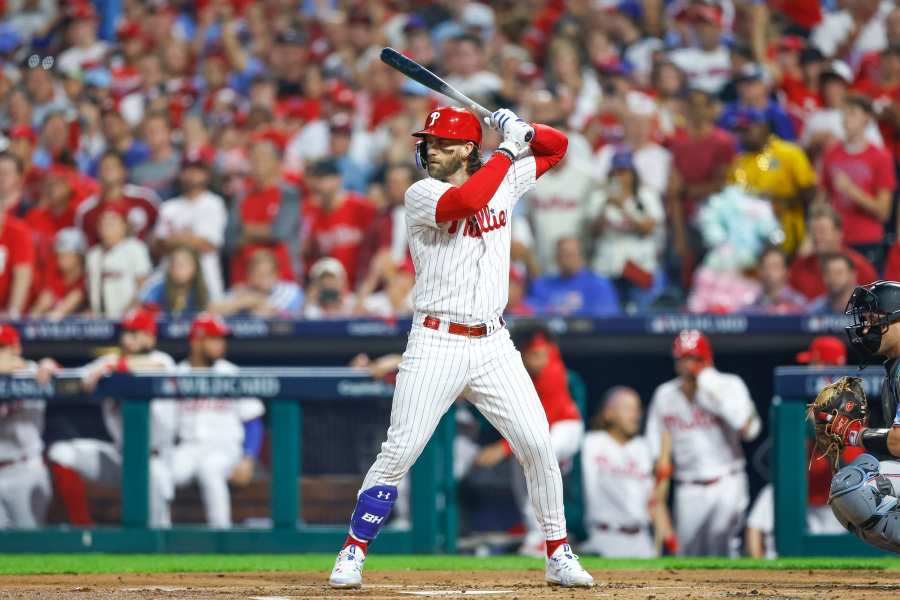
x: 179, y: 298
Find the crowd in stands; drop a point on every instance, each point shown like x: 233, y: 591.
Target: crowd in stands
x: 251, y: 157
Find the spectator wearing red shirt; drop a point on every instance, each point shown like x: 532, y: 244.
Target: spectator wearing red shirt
x: 63, y: 291
x: 11, y: 183
x: 385, y: 239
x: 701, y: 155
x: 338, y: 220
x: 22, y: 142
x: 139, y: 204
x: 824, y: 224
x: 858, y: 180
x: 801, y: 91
x: 17, y: 262
x: 883, y: 87
x: 267, y: 218
x: 58, y: 204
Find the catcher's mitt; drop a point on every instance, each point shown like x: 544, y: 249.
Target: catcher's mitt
x: 839, y: 412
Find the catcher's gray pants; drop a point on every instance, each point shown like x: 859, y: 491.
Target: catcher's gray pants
x: 864, y: 498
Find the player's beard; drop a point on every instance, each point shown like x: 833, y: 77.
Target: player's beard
x: 443, y: 171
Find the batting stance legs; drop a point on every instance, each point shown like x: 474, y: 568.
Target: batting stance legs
x: 438, y: 367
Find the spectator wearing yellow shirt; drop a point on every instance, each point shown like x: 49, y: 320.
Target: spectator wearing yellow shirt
x: 775, y: 169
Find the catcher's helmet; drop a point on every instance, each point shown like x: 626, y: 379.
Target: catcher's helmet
x: 450, y: 123
x: 873, y: 308
x: 693, y: 343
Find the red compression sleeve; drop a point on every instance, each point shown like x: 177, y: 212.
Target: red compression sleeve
x: 464, y: 201
x: 548, y: 146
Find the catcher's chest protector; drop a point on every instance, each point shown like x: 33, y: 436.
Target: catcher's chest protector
x: 890, y: 393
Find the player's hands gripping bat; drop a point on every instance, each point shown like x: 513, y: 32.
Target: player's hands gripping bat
x: 516, y: 132
x: 417, y: 72
x: 839, y: 412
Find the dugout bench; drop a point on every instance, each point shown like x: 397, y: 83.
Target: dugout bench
x: 794, y: 388
x: 285, y: 391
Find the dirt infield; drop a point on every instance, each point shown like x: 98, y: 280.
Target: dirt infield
x: 515, y: 585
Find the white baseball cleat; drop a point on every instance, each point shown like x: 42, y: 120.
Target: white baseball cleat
x: 348, y: 567
x: 563, y: 569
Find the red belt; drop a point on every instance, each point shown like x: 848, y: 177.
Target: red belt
x: 633, y: 530
x: 475, y: 331
x: 712, y: 481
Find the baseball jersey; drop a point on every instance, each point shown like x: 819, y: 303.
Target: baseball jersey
x: 215, y: 420
x: 112, y: 275
x: 706, y: 70
x: 340, y: 232
x: 16, y: 249
x: 462, y: 267
x: 558, y: 205
x: 140, y: 202
x: 704, y: 444
x: 162, y: 411
x: 618, y: 480
x: 21, y: 426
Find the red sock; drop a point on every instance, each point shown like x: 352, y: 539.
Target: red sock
x: 552, y: 545
x: 364, y: 546
x: 71, y: 489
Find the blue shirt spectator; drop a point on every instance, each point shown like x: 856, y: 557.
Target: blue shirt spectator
x: 754, y: 86
x: 575, y: 290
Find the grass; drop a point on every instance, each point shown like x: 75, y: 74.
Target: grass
x: 27, y: 564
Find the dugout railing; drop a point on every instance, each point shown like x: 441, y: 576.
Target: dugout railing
x: 794, y: 388
x: 285, y: 391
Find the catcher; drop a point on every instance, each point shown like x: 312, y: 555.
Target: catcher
x: 864, y: 495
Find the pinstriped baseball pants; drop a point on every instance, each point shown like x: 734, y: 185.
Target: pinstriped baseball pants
x: 439, y: 367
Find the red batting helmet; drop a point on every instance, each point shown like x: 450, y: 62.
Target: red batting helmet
x: 691, y: 342
x: 452, y: 123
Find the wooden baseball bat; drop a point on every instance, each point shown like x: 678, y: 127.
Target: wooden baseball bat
x: 418, y: 73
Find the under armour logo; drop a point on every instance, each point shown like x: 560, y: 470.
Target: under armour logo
x: 433, y: 117
x: 384, y: 495
x: 370, y: 518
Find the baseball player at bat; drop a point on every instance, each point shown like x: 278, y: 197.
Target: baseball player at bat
x: 458, y: 227
x: 218, y: 438
x: 708, y: 414
x: 100, y: 461
x: 24, y: 481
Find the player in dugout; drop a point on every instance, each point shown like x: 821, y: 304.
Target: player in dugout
x: 219, y: 439
x: 100, y: 461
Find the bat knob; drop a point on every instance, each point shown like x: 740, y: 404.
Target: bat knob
x: 529, y: 136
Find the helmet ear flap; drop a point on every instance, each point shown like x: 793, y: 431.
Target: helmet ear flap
x: 422, y: 154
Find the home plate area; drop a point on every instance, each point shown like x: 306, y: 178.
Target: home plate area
x: 658, y: 584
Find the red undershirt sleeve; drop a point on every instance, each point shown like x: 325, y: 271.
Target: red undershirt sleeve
x: 548, y: 146
x: 464, y: 201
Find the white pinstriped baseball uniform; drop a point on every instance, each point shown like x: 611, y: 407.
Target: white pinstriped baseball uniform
x: 462, y: 275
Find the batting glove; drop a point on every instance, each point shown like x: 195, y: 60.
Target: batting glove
x: 516, y: 132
